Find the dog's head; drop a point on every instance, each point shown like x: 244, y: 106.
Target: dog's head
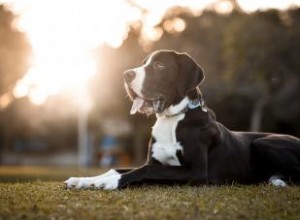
x: 165, y: 78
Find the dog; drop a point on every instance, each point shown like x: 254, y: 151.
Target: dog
x: 188, y: 145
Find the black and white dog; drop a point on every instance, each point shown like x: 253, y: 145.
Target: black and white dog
x: 188, y: 145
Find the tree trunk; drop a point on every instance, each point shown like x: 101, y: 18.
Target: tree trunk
x: 257, y: 114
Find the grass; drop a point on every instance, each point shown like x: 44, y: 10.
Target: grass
x: 46, y: 199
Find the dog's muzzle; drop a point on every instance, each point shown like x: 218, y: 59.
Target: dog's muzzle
x: 142, y: 104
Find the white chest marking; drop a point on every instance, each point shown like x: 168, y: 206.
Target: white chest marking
x: 166, y: 146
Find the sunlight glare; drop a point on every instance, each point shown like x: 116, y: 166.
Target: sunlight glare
x: 63, y: 34
x: 42, y: 81
x: 254, y: 5
x: 5, y: 100
x: 175, y: 25
x: 224, y: 7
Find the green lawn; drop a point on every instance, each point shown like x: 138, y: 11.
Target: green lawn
x: 46, y: 199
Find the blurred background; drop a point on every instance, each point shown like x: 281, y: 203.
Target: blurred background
x: 62, y: 99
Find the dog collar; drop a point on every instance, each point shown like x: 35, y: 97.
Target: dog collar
x: 197, y: 103
x: 193, y: 104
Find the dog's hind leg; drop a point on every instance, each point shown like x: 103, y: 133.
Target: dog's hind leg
x: 276, y: 180
x: 276, y: 154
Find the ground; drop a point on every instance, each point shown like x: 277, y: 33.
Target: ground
x: 38, y: 196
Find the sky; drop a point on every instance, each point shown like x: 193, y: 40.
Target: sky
x: 63, y: 33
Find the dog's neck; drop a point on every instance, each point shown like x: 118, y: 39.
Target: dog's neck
x: 192, y: 101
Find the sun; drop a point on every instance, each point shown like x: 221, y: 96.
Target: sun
x: 63, y: 35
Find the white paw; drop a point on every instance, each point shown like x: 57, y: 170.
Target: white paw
x: 72, y: 182
x: 276, y: 181
x: 79, y: 182
x: 87, y: 182
x: 108, y: 183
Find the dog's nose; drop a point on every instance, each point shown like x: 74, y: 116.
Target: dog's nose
x: 129, y: 75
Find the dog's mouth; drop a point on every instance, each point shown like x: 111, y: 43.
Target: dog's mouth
x: 143, y: 104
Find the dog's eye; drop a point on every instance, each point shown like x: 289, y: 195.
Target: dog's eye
x: 158, y: 65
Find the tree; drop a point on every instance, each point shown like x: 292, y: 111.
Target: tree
x: 14, y: 52
x: 255, y: 49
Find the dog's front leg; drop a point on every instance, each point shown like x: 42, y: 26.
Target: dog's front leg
x: 154, y: 173
x: 110, y: 178
x: 158, y: 173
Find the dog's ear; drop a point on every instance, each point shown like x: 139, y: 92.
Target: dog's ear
x: 190, y: 73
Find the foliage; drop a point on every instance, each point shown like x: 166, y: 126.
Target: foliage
x: 14, y: 52
x: 250, y: 63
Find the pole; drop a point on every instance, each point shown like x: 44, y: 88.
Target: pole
x: 82, y: 128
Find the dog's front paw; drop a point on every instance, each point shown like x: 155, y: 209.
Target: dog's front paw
x: 72, y: 182
x: 108, y: 183
x: 78, y: 182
